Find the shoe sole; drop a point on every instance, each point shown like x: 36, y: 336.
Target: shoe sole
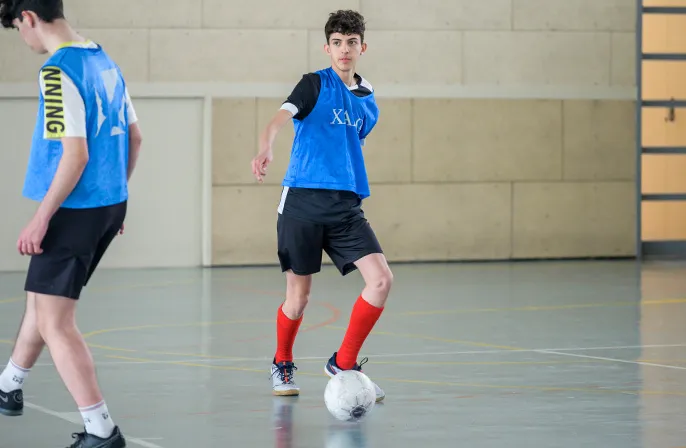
x: 326, y: 370
x: 286, y: 393
x: 7, y: 413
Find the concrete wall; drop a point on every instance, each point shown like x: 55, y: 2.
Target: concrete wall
x: 506, y: 130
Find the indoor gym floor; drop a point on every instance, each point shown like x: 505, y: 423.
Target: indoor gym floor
x: 545, y: 354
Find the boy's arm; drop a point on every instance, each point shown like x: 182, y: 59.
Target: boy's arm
x: 71, y: 166
x: 298, y: 105
x: 64, y: 119
x: 135, y: 137
x: 272, y: 129
x: 70, y: 130
x: 69, y: 171
x: 267, y: 137
x: 135, y: 143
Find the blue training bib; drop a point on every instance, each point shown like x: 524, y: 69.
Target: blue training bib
x: 102, y: 87
x: 327, y: 149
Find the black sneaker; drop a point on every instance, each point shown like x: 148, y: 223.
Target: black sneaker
x: 12, y: 403
x: 332, y: 369
x: 85, y: 440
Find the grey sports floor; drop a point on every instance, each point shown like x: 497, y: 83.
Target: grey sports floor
x: 540, y: 354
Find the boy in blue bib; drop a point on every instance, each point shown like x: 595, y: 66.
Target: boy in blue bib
x: 84, y: 150
x: 333, y: 110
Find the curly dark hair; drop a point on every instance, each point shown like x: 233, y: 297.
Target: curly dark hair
x: 346, y: 22
x: 46, y: 10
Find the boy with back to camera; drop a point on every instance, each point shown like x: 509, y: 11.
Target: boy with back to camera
x: 84, y: 150
x: 333, y: 111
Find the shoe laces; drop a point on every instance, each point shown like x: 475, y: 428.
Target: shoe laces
x: 80, y: 437
x: 363, y: 361
x: 285, y: 373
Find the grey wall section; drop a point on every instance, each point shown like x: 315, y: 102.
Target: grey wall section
x: 506, y: 127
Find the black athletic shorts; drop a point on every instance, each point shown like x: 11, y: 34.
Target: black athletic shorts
x: 311, y: 221
x: 73, y: 246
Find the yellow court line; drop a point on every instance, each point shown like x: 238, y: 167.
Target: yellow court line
x: 541, y: 388
x: 470, y: 363
x: 112, y: 349
x: 432, y: 383
x: 405, y: 335
x: 544, y: 307
x: 157, y: 326
x: 500, y: 363
x: 384, y: 333
x: 119, y: 288
x: 663, y: 361
x: 432, y: 338
x: 397, y: 380
x: 196, y: 355
x: 190, y: 364
x: 128, y: 358
x: 192, y: 324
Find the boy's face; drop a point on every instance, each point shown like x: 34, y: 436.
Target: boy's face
x: 29, y: 32
x: 345, y: 50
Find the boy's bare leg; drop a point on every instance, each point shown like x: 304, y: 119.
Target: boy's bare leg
x: 378, y: 279
x: 73, y: 360
x: 367, y: 309
x: 29, y: 344
x: 366, y: 312
x: 288, y: 320
x: 27, y: 349
x: 298, y: 289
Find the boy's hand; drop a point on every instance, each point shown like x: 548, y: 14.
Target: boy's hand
x: 260, y: 162
x: 31, y: 238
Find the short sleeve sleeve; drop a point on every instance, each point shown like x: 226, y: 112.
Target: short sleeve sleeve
x: 304, y: 96
x: 130, y: 110
x: 64, y: 111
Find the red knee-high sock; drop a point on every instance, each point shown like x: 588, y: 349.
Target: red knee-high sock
x: 362, y: 320
x: 286, y: 331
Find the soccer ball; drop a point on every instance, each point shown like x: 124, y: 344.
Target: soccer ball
x: 350, y: 396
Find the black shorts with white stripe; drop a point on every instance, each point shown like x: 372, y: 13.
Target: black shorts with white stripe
x: 313, y: 221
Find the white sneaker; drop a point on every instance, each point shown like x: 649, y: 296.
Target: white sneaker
x: 283, y: 381
x: 332, y: 369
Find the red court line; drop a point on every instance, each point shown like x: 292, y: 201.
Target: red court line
x: 336, y: 315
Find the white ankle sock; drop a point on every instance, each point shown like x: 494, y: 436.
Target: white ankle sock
x: 97, y: 420
x: 12, y: 378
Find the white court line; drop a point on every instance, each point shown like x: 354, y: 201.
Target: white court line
x: 384, y: 355
x: 77, y: 421
x: 162, y: 361
x: 532, y: 350
x: 601, y: 358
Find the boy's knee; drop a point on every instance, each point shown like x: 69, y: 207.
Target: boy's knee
x: 297, y: 296
x: 382, y: 282
x: 54, y: 315
x: 296, y: 302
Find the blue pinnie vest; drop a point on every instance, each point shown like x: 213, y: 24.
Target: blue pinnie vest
x: 327, y: 148
x: 102, y: 87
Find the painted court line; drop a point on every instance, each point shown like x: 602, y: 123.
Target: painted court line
x: 76, y: 420
x: 399, y: 355
x: 533, y: 350
x: 388, y: 355
x: 601, y: 358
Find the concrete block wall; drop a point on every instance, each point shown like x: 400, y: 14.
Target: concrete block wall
x: 506, y: 129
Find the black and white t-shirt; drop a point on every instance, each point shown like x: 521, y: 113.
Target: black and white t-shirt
x: 310, y: 204
x: 304, y: 96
